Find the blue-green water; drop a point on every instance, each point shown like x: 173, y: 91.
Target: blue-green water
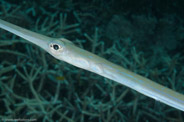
x: 146, y: 37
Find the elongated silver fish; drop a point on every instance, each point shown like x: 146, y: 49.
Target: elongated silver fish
x: 65, y: 50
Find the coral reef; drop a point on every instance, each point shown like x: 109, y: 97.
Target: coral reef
x: 143, y: 38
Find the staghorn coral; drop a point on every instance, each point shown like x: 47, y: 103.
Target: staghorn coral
x: 35, y: 86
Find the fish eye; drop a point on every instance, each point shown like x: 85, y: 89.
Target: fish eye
x: 55, y: 48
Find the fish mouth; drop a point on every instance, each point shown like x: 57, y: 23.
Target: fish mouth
x: 35, y: 38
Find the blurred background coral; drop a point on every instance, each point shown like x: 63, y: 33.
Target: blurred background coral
x: 146, y: 37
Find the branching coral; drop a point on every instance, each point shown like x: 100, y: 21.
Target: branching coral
x: 33, y: 85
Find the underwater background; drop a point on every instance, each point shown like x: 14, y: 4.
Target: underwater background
x: 145, y: 36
